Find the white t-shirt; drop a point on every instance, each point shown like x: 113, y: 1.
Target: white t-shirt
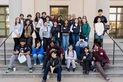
x: 99, y: 27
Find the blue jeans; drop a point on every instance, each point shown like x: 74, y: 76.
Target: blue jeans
x: 79, y: 51
x: 65, y: 42
x: 98, y: 37
x: 55, y: 39
x: 87, y: 38
x: 39, y: 57
x: 75, y: 38
x: 58, y: 70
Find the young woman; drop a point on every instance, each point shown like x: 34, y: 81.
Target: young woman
x: 80, y: 21
x: 49, y: 23
x: 99, y: 29
x: 52, y: 18
x: 75, y: 29
x: 70, y: 56
x: 45, y: 35
x: 53, y: 66
x: 28, y: 33
x: 86, y: 59
x: 38, y: 53
x: 17, y: 31
x: 55, y: 30
x: 38, y: 23
x: 85, y: 29
x: 65, y: 30
x: 102, y: 61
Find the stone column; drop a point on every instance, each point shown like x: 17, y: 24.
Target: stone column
x: 15, y: 8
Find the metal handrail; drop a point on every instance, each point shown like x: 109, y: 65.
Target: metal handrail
x: 114, y: 43
x: 4, y: 43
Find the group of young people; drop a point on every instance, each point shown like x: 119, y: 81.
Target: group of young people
x: 58, y: 42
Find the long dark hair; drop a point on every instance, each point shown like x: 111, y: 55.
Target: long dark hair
x: 37, y: 43
x: 67, y: 23
x: 36, y: 18
x: 26, y: 24
x: 16, y: 21
x: 87, y: 48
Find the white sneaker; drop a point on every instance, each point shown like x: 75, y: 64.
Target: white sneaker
x: 34, y: 64
x: 108, y: 79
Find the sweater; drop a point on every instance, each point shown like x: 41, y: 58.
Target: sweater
x: 18, y: 29
x: 70, y: 54
x: 27, y: 31
x: 85, y: 29
x: 82, y: 44
x: 38, y: 51
x: 99, y: 27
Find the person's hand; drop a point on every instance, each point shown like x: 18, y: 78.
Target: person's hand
x: 71, y: 58
x: 17, y: 52
x: 52, y: 69
x: 61, y: 57
x: 18, y: 35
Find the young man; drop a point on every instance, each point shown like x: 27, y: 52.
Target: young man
x: 44, y: 16
x: 80, y: 45
x: 24, y: 50
x: 53, y: 66
x: 101, y: 61
x: 48, y: 55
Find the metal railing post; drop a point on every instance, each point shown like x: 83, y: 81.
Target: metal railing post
x: 5, y: 53
x: 113, y: 51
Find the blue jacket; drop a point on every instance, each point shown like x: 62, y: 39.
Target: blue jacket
x: 38, y: 51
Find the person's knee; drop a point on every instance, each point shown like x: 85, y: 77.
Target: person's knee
x: 34, y: 55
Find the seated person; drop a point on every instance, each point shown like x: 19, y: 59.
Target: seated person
x: 53, y: 66
x: 70, y: 56
x: 86, y: 60
x: 48, y: 55
x: 38, y: 53
x: 25, y: 50
x: 80, y: 46
x: 101, y: 60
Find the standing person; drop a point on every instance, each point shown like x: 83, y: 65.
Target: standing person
x: 38, y: 23
x: 45, y: 35
x: 86, y: 59
x: 51, y: 47
x: 73, y: 18
x: 70, y: 56
x: 85, y: 29
x: 28, y: 33
x: 55, y: 30
x: 103, y: 19
x: 44, y: 16
x: 80, y: 21
x: 99, y: 29
x: 22, y: 22
x: 38, y: 53
x: 53, y: 66
x: 17, y: 30
x: 22, y: 49
x: 49, y: 23
x: 80, y: 45
x: 75, y: 29
x: 52, y: 18
x: 101, y: 60
x: 65, y: 30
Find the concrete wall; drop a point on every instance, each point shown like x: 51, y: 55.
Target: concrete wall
x: 4, y: 2
x: 116, y: 2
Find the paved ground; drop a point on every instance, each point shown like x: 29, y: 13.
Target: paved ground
x: 86, y: 79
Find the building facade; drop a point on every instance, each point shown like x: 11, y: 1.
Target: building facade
x: 10, y: 9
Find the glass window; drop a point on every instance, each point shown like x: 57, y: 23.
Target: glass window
x: 112, y: 10
x: 2, y: 32
x: 2, y: 18
x: 119, y: 17
x: 63, y: 11
x: 2, y: 25
x: 112, y: 17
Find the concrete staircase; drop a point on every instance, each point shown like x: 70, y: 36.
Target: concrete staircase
x: 22, y: 69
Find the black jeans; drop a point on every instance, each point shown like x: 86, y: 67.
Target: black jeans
x: 17, y: 42
x: 29, y: 42
x: 58, y: 70
x: 46, y: 59
x: 37, y: 36
x: 46, y: 43
x: 86, y: 65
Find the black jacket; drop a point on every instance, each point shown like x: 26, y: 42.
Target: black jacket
x: 89, y: 57
x: 76, y: 29
x: 55, y: 62
x: 65, y: 29
x: 55, y: 31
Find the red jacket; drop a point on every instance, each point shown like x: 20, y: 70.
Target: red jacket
x: 99, y: 55
x: 55, y: 47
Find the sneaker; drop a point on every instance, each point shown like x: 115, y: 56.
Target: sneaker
x: 43, y: 81
x: 108, y: 79
x: 74, y: 69
x: 34, y: 64
x: 87, y: 72
x: 8, y: 70
x: 68, y: 69
x: 84, y: 71
x: 30, y: 70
